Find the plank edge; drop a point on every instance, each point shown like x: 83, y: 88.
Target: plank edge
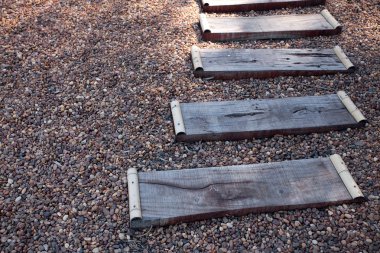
x: 215, y: 8
x: 235, y: 136
x: 146, y: 223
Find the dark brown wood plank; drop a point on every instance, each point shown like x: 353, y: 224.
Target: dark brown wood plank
x: 267, y: 27
x: 268, y: 63
x: 186, y: 195
x: 246, y: 119
x: 254, y: 5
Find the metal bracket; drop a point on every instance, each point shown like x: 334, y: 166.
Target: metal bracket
x: 346, y: 177
x: 134, y: 195
x: 343, y: 58
x: 196, y: 58
x: 205, y: 3
x: 179, y: 126
x: 351, y: 107
x: 204, y: 23
x: 330, y: 19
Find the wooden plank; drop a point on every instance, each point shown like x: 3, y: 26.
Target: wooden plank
x: 173, y: 196
x: 254, y: 5
x: 247, y: 119
x: 268, y: 63
x: 268, y: 27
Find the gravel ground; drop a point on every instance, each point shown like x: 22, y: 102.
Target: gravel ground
x: 85, y: 88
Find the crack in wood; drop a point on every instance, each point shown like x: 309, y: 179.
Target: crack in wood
x: 312, y: 55
x: 196, y: 188
x: 317, y: 109
x: 237, y: 115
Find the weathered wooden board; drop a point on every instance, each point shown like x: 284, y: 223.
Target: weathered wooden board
x: 254, y: 5
x: 246, y: 119
x: 268, y: 63
x: 268, y: 27
x: 168, y: 197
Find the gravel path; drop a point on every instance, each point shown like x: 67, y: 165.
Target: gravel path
x: 85, y: 88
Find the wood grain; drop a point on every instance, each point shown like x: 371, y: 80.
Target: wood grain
x: 186, y: 195
x: 268, y: 27
x: 246, y: 119
x: 267, y: 63
x: 255, y: 5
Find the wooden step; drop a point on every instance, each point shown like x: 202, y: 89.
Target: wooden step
x: 267, y: 63
x: 268, y: 27
x: 247, y: 119
x: 160, y: 198
x: 254, y: 5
